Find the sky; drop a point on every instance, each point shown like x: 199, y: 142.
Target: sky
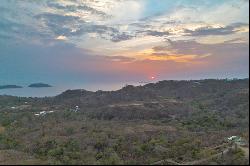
x: 108, y: 41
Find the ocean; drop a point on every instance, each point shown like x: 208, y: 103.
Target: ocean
x: 58, y: 89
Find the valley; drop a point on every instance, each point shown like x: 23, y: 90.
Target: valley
x: 168, y: 122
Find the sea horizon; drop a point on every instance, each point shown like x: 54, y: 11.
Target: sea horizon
x: 57, y: 89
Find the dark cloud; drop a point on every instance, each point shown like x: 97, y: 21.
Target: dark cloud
x: 195, y: 48
x: 117, y: 37
x: 62, y: 25
x: 31, y: 24
x: 149, y: 24
x: 205, y: 31
x: 78, y: 7
x: 59, y: 24
x: 157, y: 33
x: 141, y: 25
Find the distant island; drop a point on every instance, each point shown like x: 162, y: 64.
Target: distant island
x: 10, y: 86
x: 39, y: 85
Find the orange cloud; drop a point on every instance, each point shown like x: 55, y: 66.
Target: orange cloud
x: 176, y: 58
x: 151, y: 54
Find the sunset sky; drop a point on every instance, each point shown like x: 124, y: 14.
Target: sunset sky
x: 122, y: 40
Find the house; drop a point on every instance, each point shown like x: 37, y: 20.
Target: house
x: 43, y: 113
x: 196, y: 82
x: 236, y: 139
x: 76, y: 109
x: 232, y: 138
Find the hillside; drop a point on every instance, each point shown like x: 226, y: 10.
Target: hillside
x: 135, y: 125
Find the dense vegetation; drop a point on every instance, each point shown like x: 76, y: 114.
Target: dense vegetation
x: 134, y: 125
x: 9, y: 86
x: 39, y: 85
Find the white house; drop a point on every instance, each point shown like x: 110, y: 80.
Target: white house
x: 232, y: 138
x: 43, y: 113
x: 76, y: 109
